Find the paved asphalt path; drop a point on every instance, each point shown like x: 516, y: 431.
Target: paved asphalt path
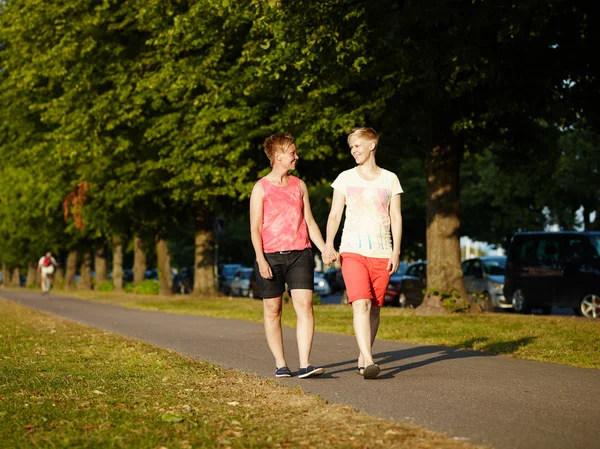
x: 483, y: 399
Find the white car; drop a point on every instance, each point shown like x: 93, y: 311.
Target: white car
x: 240, y: 284
x: 321, y: 286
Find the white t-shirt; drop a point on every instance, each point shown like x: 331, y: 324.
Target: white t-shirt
x: 367, y: 224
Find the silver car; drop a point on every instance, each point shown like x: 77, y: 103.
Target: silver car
x: 321, y: 286
x: 484, y: 280
x: 240, y: 284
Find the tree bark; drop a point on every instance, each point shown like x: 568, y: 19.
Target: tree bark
x: 139, y: 260
x: 85, y: 272
x: 71, y: 269
x: 100, y: 265
x: 15, y: 280
x: 117, y: 270
x: 163, y: 264
x: 31, y: 275
x: 59, y: 277
x: 204, y: 243
x: 444, y: 271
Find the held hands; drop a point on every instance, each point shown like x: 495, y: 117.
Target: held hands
x: 330, y: 255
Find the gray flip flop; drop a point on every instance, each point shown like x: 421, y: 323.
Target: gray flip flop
x: 371, y: 371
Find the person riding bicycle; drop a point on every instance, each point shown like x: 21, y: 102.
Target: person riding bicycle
x: 46, y: 267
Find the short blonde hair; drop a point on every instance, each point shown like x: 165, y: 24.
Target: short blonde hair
x: 277, y: 143
x: 364, y: 133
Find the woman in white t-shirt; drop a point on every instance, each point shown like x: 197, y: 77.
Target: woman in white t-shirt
x: 370, y: 247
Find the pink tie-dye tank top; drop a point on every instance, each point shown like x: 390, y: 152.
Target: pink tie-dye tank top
x: 283, y: 227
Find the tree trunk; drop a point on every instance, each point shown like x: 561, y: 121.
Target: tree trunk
x: 85, y: 272
x: 71, y: 269
x: 117, y: 271
x: 31, y: 275
x: 100, y: 265
x: 59, y: 277
x: 15, y: 280
x: 444, y: 272
x: 204, y: 272
x: 139, y: 260
x: 163, y: 264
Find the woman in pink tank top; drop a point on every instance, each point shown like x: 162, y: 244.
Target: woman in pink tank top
x: 282, y: 225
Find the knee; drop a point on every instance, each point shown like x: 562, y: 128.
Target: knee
x: 361, y: 307
x: 305, y: 310
x: 273, y: 312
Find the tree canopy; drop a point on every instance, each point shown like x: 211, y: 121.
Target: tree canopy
x: 160, y: 109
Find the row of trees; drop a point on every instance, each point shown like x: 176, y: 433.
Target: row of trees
x: 123, y: 120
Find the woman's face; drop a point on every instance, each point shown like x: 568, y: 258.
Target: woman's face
x: 360, y: 149
x: 289, y: 157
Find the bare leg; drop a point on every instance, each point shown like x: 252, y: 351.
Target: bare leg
x: 374, y: 318
x: 44, y: 275
x: 272, y: 318
x: 361, y: 309
x: 305, y: 324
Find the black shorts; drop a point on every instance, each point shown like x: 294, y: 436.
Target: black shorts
x: 294, y: 268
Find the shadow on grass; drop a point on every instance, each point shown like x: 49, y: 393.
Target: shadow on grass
x: 503, y: 347
x: 426, y: 355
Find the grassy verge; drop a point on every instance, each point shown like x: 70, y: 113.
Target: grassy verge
x: 66, y: 385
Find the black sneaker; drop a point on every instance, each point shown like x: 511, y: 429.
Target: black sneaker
x: 310, y: 371
x: 283, y: 372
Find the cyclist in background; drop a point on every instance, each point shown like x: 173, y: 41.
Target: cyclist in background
x: 46, y: 268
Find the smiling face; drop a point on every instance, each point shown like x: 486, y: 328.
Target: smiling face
x: 361, y: 149
x: 288, y: 158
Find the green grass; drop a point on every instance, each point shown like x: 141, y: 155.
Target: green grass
x: 565, y: 340
x: 64, y: 385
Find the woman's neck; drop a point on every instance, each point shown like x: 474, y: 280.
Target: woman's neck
x: 278, y: 176
x: 368, y: 169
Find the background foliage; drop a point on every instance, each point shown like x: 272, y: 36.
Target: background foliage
x: 162, y: 107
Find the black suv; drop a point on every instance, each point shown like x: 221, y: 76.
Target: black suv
x: 560, y: 269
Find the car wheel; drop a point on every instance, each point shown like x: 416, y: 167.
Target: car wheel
x: 250, y: 294
x: 245, y: 293
x: 590, y: 306
x: 520, y: 304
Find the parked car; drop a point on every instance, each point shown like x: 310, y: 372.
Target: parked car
x: 335, y: 279
x: 240, y: 283
x: 484, y: 280
x: 226, y: 272
x: 397, y: 275
x: 554, y: 269
x: 151, y: 274
x: 183, y: 280
x: 127, y: 275
x: 321, y: 286
x: 407, y: 290
x: 254, y: 287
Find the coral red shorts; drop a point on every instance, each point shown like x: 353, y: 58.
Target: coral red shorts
x: 365, y: 277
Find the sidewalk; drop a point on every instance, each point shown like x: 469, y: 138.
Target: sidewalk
x: 484, y: 399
